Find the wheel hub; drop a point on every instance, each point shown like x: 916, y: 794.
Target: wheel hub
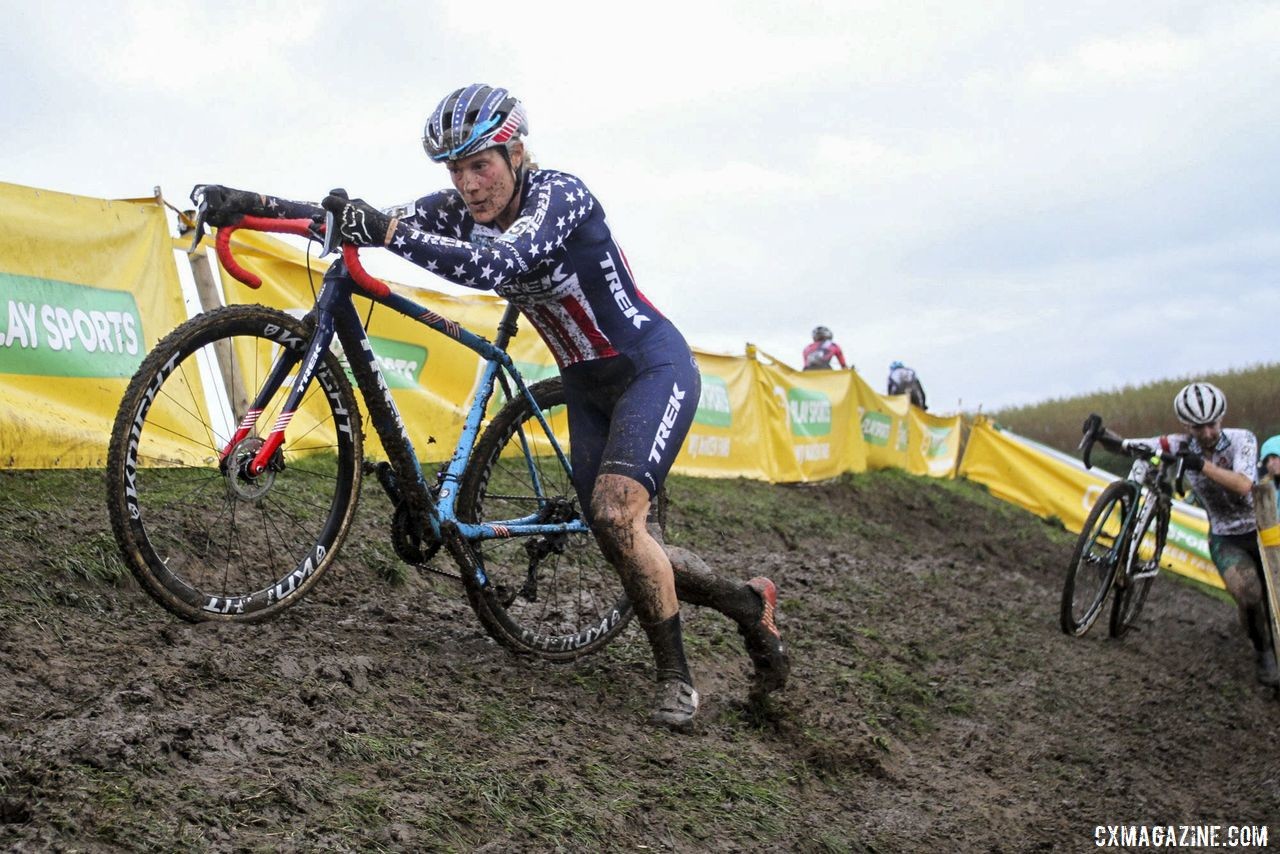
x: 242, y: 484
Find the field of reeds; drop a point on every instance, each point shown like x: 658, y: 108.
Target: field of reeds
x: 1253, y: 402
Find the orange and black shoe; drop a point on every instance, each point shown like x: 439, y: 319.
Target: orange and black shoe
x: 764, y: 643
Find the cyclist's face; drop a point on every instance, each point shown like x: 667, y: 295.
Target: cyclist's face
x: 1207, y: 434
x: 488, y: 185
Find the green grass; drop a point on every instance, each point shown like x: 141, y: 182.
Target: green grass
x: 1147, y: 410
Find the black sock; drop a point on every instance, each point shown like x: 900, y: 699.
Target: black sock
x: 667, y: 642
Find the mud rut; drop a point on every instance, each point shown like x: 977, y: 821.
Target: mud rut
x: 934, y: 705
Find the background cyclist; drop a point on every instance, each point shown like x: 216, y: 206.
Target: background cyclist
x: 903, y: 380
x: 539, y: 238
x: 1220, y: 465
x: 819, y: 353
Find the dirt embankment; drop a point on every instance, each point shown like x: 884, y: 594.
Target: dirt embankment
x: 934, y: 705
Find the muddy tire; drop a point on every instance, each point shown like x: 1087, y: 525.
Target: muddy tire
x: 204, y: 539
x: 554, y: 597
x: 1095, y: 560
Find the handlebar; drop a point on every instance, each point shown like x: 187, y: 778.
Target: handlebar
x: 1093, y: 430
x: 303, y: 228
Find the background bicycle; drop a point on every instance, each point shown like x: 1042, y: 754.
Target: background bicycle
x: 222, y: 519
x: 1123, y: 537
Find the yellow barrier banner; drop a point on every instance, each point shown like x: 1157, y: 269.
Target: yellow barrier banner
x: 727, y: 437
x: 1053, y: 485
x: 933, y: 443
x: 810, y: 422
x: 885, y: 426
x: 87, y: 287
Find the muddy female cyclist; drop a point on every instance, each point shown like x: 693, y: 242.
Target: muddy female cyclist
x: 539, y: 238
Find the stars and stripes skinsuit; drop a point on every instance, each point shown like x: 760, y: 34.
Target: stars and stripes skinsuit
x: 631, y: 383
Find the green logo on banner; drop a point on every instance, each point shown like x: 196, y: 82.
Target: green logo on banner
x: 57, y: 329
x: 401, y: 364
x: 810, y: 412
x: 1190, y: 539
x: 713, y: 406
x: 876, y: 427
x: 938, y: 441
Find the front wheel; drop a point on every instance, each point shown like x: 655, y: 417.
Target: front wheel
x: 1095, y: 559
x: 552, y: 596
x: 1140, y: 570
x: 207, y: 539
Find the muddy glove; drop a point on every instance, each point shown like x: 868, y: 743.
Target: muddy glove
x: 1092, y: 427
x: 225, y: 206
x: 356, y: 220
x: 1191, y: 461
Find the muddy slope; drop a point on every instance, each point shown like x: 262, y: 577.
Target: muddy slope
x: 934, y: 705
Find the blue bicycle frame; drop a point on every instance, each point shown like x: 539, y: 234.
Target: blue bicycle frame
x: 335, y: 313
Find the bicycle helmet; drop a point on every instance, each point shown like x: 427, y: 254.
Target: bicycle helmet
x: 1198, y: 404
x: 473, y: 119
x: 821, y: 333
x: 895, y: 364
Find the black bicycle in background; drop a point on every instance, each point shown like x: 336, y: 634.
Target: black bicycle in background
x: 1123, y: 538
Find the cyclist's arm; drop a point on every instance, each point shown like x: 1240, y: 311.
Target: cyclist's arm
x: 548, y: 217
x: 839, y: 354
x: 1238, y: 478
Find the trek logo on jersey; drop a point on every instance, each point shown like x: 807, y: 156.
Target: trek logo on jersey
x: 619, y: 295
x: 668, y: 422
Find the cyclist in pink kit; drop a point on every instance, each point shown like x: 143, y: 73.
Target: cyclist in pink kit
x: 539, y: 238
x: 817, y: 355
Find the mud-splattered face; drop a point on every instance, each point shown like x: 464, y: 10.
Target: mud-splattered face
x: 488, y: 185
x: 1207, y: 434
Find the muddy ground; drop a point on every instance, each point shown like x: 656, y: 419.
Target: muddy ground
x: 934, y: 705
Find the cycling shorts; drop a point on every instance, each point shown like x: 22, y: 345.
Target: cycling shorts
x: 630, y: 418
x: 1239, y: 551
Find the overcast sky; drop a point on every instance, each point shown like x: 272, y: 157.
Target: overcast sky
x: 1021, y: 200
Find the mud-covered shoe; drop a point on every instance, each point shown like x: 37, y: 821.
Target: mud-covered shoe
x: 1268, y: 674
x: 675, y: 704
x: 764, y: 643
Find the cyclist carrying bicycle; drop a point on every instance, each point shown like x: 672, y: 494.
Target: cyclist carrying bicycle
x: 539, y: 238
x: 1220, y: 463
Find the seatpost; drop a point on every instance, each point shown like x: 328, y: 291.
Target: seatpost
x: 507, y: 326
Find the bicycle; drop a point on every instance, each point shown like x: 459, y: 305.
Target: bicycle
x: 1128, y: 527
x: 220, y: 521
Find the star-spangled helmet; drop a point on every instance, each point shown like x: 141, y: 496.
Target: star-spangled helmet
x: 472, y: 119
x: 1199, y: 403
x: 821, y: 333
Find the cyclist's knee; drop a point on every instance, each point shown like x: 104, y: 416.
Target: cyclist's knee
x: 1243, y: 586
x: 619, y: 507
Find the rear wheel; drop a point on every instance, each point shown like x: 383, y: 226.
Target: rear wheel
x: 1095, y: 560
x: 554, y: 596
x: 1140, y: 570
x: 204, y: 537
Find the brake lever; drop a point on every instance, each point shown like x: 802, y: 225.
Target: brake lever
x: 332, y: 243
x: 198, y: 230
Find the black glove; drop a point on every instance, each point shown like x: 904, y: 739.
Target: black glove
x: 1191, y: 461
x: 1092, y: 426
x: 225, y: 206
x: 356, y: 220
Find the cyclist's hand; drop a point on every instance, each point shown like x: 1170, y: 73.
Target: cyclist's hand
x: 1191, y: 461
x: 1092, y: 427
x: 356, y: 220
x: 225, y: 206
